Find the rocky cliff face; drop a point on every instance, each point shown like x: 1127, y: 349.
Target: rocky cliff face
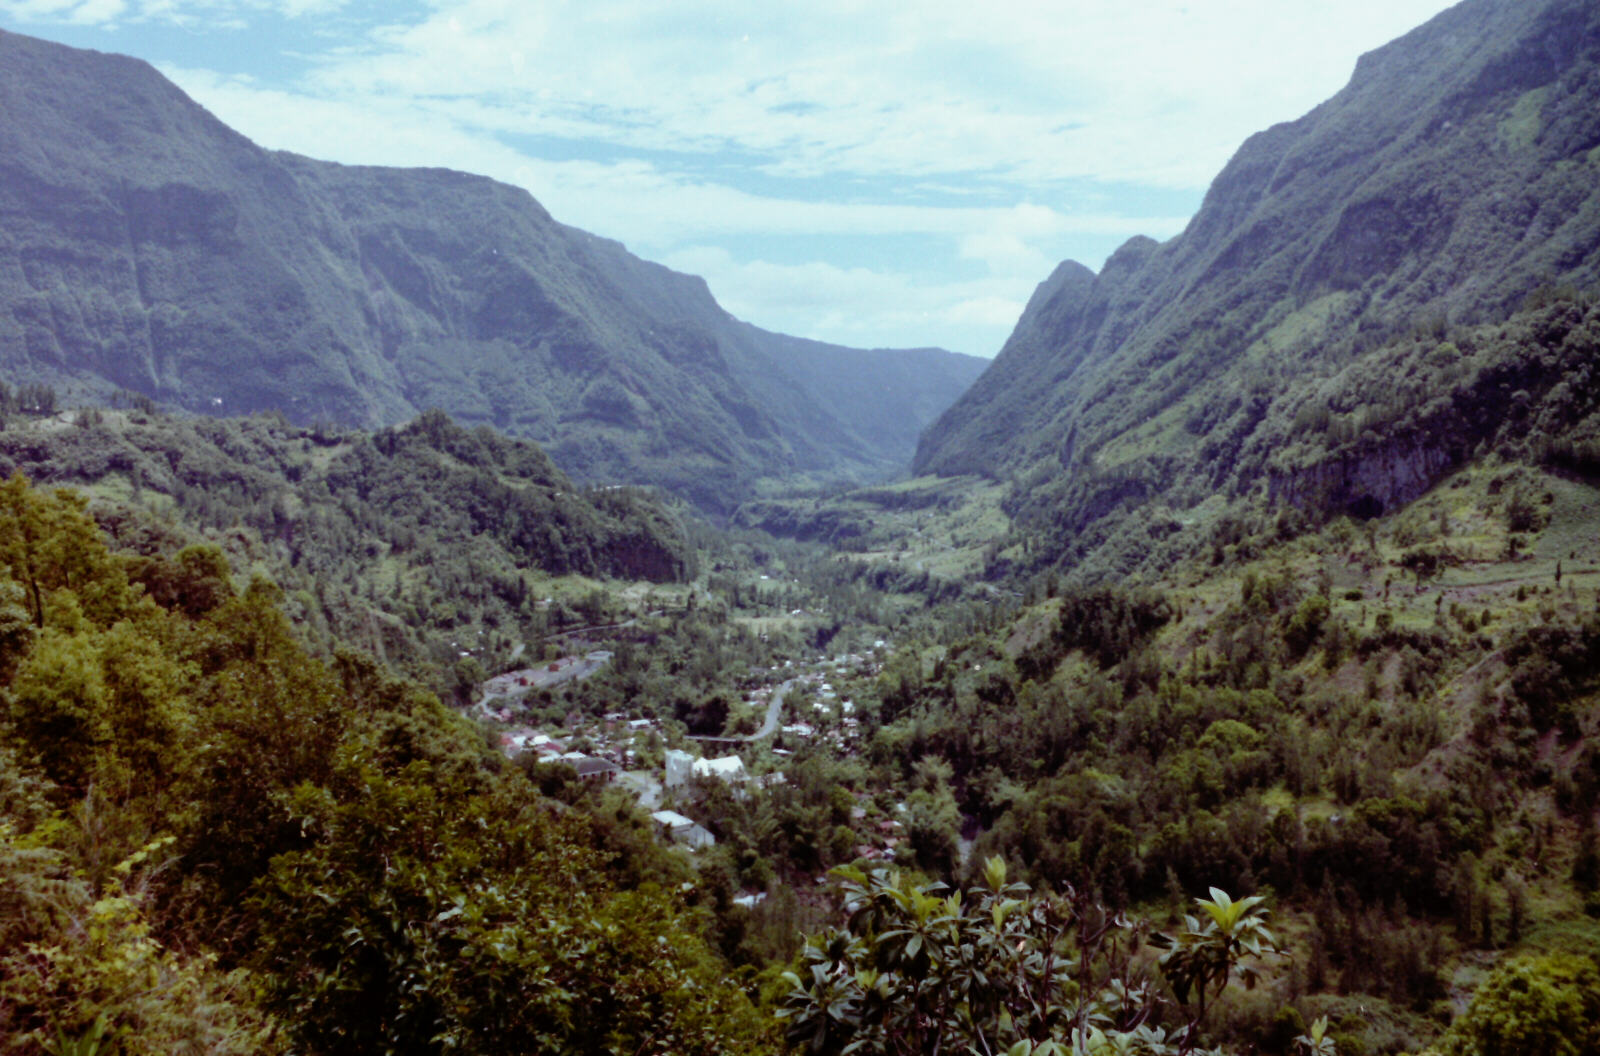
x: 145, y: 246
x: 1524, y: 387
x: 1375, y: 479
x: 1456, y: 172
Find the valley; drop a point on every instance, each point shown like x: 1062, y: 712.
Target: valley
x: 1284, y: 709
x: 426, y: 627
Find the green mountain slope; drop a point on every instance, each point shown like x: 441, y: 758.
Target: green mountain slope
x: 1456, y: 173
x: 412, y: 543
x: 145, y: 246
x: 214, y: 841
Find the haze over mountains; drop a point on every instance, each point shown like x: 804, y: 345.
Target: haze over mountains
x: 144, y: 246
x: 147, y: 247
x: 1457, y: 172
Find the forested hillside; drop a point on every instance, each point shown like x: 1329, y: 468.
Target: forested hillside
x: 1229, y: 683
x: 213, y: 842
x: 1386, y: 727
x: 150, y: 248
x: 1384, y: 724
x: 1362, y: 441
x: 418, y: 544
x: 1455, y: 176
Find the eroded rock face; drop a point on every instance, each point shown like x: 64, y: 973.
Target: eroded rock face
x: 148, y: 247
x: 1372, y: 481
x: 1456, y: 172
x: 1533, y: 382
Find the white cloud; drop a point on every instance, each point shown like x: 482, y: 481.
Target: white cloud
x: 1145, y: 91
x: 1005, y: 252
x: 78, y: 12
x: 856, y: 305
x: 1012, y: 133
x: 636, y: 201
x: 1155, y: 92
x: 97, y: 12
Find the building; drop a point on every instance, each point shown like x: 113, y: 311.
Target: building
x: 599, y: 771
x: 680, y: 765
x: 729, y: 768
x: 681, y: 830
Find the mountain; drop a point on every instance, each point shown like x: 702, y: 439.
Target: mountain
x: 1457, y: 173
x: 145, y: 246
x: 402, y: 542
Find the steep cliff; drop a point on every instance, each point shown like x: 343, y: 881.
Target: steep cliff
x: 1457, y: 172
x: 145, y: 246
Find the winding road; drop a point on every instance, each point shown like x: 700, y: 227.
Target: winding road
x: 768, y: 728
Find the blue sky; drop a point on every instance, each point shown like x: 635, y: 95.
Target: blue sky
x: 870, y: 172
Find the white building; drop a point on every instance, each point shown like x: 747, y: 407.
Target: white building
x: 729, y: 768
x: 683, y: 830
x: 680, y: 765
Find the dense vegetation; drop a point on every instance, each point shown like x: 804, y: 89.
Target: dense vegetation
x: 1275, y: 573
x: 414, y: 543
x: 214, y: 841
x: 1374, y: 216
x: 1363, y: 440
x: 1399, y: 750
x: 1390, y: 725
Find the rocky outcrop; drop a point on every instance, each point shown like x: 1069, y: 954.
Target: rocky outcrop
x: 1372, y: 480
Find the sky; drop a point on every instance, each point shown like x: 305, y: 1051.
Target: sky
x: 874, y: 173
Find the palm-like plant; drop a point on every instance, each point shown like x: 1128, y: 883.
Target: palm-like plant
x: 1315, y: 1041
x: 998, y: 969
x: 1202, y: 958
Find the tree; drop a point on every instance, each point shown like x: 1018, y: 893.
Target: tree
x: 82, y: 972
x: 438, y: 909
x: 59, y: 706
x: 1202, y: 958
x: 1532, y: 1006
x: 993, y: 969
x: 48, y: 543
x: 933, y: 817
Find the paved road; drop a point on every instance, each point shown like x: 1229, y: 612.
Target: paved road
x: 768, y: 728
x: 774, y: 711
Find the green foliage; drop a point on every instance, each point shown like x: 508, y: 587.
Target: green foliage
x: 1306, y: 624
x: 404, y: 542
x: 1552, y: 667
x: 48, y: 544
x: 917, y: 970
x: 1109, y: 624
x: 1316, y: 1041
x: 83, y: 973
x: 350, y: 869
x: 1201, y: 958
x: 1207, y: 370
x: 430, y: 915
x: 440, y: 290
x: 1532, y: 1006
x: 994, y: 968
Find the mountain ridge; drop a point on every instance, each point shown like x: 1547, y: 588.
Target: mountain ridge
x: 150, y: 248
x: 1458, y: 171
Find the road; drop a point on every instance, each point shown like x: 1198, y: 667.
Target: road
x: 774, y: 711
x: 768, y: 728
